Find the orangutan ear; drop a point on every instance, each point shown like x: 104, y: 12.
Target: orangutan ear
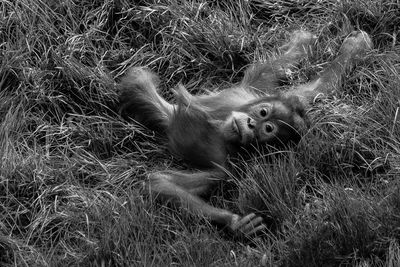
x: 300, y: 123
x: 296, y: 105
x: 300, y: 119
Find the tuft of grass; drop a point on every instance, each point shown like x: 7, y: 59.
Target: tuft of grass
x: 71, y: 170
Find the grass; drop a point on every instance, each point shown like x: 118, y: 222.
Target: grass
x: 72, y: 170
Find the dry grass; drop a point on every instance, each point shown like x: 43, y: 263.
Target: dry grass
x: 72, y: 170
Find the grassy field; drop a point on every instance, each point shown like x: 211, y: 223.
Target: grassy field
x: 72, y: 171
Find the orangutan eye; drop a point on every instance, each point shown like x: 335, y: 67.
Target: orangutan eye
x: 269, y: 128
x: 263, y: 112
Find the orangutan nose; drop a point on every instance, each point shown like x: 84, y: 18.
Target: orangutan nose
x: 251, y: 123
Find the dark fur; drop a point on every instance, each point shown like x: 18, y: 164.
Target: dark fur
x: 192, y: 125
x: 204, y: 130
x: 140, y: 100
x: 192, y: 136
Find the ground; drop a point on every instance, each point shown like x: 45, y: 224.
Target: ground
x: 72, y: 169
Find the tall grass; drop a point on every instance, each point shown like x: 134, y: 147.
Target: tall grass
x: 72, y: 170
